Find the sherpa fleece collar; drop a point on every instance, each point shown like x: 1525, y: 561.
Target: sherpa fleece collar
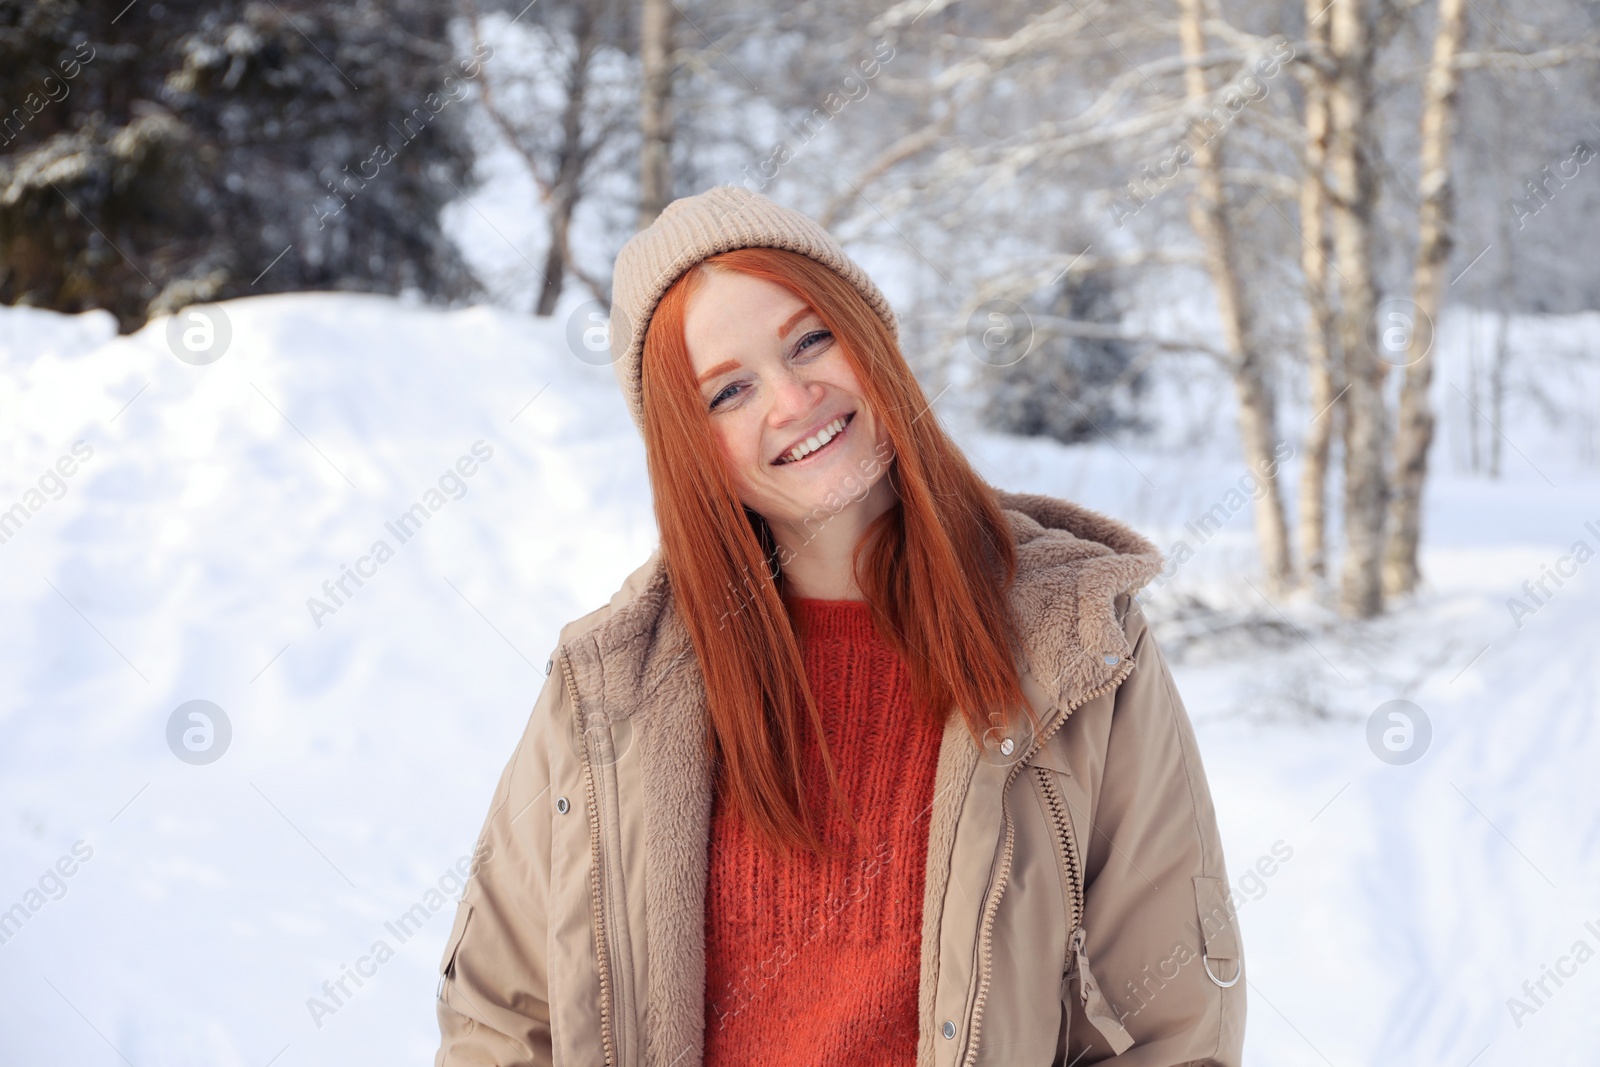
x: 1071, y: 564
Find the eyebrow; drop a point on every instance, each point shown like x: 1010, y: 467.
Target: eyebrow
x: 733, y: 364
x: 783, y: 331
x: 721, y: 368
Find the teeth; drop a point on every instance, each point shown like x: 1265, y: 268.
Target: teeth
x: 811, y: 444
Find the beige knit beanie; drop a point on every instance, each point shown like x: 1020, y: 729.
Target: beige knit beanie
x: 694, y: 228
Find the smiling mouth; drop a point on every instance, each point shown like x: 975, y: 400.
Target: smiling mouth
x: 788, y: 458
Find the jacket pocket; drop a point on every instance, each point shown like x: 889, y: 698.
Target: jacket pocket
x: 1221, y: 959
x: 1091, y: 1000
x: 447, y: 963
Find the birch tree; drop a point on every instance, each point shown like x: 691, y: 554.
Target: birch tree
x: 655, y: 99
x: 1351, y: 157
x: 1434, y: 220
x: 1321, y: 338
x: 560, y: 122
x: 1210, y: 217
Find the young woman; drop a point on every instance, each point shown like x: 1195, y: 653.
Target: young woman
x: 870, y: 762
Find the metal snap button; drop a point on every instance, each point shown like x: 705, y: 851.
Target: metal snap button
x: 548, y: 664
x: 949, y: 1030
x: 1112, y: 659
x: 561, y: 805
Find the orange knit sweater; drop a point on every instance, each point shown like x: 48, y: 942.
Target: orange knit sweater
x: 818, y: 961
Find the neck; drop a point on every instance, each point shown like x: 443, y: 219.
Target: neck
x: 820, y: 556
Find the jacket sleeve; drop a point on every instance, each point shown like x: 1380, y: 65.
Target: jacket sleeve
x: 1162, y: 942
x: 493, y: 987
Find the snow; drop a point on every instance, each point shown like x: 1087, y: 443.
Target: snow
x: 1389, y: 911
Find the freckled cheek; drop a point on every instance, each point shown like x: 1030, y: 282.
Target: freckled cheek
x: 871, y: 437
x: 741, y: 450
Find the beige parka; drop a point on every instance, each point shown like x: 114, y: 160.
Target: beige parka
x: 1076, y: 907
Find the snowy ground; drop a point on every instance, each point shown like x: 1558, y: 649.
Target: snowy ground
x: 208, y: 904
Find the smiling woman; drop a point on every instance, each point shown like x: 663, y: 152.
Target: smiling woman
x: 786, y: 407
x: 750, y: 357
x: 850, y: 768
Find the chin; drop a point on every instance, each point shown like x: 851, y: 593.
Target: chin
x: 841, y: 484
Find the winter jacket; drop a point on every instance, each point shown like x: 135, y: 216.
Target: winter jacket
x: 1076, y: 907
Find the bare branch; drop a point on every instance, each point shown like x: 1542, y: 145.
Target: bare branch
x: 906, y: 148
x: 1552, y: 57
x: 1283, y: 186
x: 486, y: 97
x: 1100, y: 331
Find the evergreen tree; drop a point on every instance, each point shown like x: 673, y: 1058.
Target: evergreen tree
x: 1071, y: 389
x: 156, y: 154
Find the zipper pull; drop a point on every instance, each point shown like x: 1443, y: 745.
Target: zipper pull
x: 1095, y: 1007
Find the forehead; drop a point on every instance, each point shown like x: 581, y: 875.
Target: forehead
x: 731, y: 314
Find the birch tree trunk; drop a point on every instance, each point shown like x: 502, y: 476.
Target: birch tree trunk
x: 655, y: 114
x: 572, y: 156
x: 1435, y: 219
x: 559, y: 167
x: 1208, y: 215
x: 1497, y: 365
x: 1506, y: 245
x: 1321, y: 337
x: 1351, y: 153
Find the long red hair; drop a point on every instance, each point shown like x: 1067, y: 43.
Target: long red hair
x: 934, y: 567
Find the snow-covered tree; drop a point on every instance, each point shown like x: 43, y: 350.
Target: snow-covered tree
x: 157, y: 154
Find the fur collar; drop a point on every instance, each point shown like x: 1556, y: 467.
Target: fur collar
x: 1071, y: 565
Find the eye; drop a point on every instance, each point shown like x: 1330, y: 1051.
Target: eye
x: 727, y: 391
x: 812, y: 340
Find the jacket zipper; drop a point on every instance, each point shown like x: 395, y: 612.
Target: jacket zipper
x: 597, y: 908
x: 1069, y: 854
x: 986, y: 933
x: 1073, y: 872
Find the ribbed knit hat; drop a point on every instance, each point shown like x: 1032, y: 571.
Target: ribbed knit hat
x: 694, y: 228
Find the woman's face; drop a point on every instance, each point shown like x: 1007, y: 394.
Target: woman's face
x: 773, y: 378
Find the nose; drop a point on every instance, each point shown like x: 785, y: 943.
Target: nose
x: 793, y: 397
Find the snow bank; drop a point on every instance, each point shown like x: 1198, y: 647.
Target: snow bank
x: 218, y: 539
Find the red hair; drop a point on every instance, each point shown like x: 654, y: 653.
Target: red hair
x: 934, y: 567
